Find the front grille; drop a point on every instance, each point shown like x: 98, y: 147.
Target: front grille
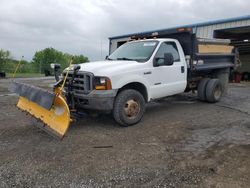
x: 82, y: 84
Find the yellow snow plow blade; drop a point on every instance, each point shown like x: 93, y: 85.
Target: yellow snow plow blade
x: 50, y: 108
x: 56, y: 120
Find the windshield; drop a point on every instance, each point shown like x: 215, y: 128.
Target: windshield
x: 134, y: 51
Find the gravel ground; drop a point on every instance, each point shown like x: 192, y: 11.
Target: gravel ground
x: 180, y: 142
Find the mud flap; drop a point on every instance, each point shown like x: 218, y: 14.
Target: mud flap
x: 50, y: 108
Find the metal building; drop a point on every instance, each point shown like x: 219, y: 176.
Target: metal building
x: 236, y: 29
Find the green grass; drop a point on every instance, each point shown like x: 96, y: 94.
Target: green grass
x: 25, y: 75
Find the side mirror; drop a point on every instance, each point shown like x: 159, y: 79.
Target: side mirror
x: 76, y: 68
x: 56, y: 68
x: 168, y: 59
x: 106, y: 57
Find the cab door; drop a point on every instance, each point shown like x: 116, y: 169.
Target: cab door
x: 168, y: 79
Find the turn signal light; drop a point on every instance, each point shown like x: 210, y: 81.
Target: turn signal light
x: 103, y: 83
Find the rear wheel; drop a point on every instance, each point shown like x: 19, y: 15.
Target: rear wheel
x: 129, y: 107
x: 214, y: 90
x: 202, y: 89
x: 223, y: 76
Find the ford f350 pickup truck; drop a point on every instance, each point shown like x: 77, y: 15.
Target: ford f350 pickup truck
x: 141, y: 71
x: 136, y: 73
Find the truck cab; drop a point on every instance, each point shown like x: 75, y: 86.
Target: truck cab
x: 159, y: 65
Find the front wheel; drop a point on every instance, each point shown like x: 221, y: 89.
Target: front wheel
x: 129, y: 107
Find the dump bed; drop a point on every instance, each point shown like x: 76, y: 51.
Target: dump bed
x: 210, y: 54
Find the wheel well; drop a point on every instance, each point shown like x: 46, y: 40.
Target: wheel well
x: 138, y: 87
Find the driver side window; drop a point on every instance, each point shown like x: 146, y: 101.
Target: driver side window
x: 167, y: 47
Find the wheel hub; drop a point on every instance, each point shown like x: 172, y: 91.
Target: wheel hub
x: 132, y: 108
x: 217, y: 92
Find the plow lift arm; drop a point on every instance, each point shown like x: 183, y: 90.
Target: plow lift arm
x: 51, y: 108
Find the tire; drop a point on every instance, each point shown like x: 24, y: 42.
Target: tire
x: 202, y: 89
x: 129, y: 107
x: 223, y: 76
x: 214, y: 91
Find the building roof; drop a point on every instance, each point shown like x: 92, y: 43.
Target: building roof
x: 190, y: 25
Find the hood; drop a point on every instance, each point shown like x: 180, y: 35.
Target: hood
x: 106, y: 68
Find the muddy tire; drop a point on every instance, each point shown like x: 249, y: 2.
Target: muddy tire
x: 214, y: 91
x: 223, y: 76
x: 129, y: 107
x: 202, y: 89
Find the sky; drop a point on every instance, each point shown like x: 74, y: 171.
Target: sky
x: 83, y: 26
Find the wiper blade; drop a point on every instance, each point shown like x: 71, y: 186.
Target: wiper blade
x: 125, y: 58
x: 109, y: 59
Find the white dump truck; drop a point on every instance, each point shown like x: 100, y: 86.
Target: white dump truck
x: 141, y: 71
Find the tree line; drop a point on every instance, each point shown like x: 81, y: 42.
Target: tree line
x: 40, y: 62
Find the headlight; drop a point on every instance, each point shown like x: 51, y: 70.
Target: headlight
x: 103, y: 80
x: 102, y: 83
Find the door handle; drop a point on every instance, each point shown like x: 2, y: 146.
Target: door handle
x: 182, y: 69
